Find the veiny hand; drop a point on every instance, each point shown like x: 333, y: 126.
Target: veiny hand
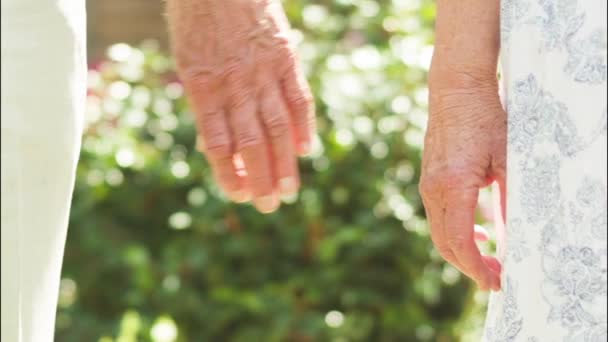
x: 252, y: 103
x: 465, y: 150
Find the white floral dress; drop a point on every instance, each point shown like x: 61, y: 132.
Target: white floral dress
x: 553, y: 63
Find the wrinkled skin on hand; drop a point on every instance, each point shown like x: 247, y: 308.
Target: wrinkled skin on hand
x: 465, y: 150
x: 253, y: 107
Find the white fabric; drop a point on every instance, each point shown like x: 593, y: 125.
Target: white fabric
x: 554, y: 255
x: 43, y: 96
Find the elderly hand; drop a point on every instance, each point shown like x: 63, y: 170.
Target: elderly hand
x: 464, y: 151
x: 251, y: 101
x: 465, y: 144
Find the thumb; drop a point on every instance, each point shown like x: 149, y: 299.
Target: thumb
x: 502, y: 197
x: 499, y: 190
x: 499, y: 171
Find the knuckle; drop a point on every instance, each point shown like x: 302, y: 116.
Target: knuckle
x: 183, y: 59
x: 297, y: 90
x: 449, y: 181
x: 196, y: 78
x: 238, y: 85
x: 219, y: 151
x: 443, y: 170
x: 286, y: 54
x: 305, y: 99
x: 445, y: 252
x: 213, y: 132
x: 234, y: 69
x: 210, y: 122
x: 428, y: 186
x: 199, y: 90
x: 456, y: 242
x: 302, y: 103
x: 424, y: 187
x: 248, y: 138
x: 442, y: 248
x: 277, y: 125
x: 240, y: 96
x: 454, y: 173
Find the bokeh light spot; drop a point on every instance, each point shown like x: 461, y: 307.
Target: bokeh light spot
x: 180, y: 220
x: 334, y: 319
x: 119, y: 52
x: 125, y: 157
x: 197, y: 197
x: 180, y: 169
x: 164, y: 330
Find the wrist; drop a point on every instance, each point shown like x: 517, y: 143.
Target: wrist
x: 454, y: 87
x: 454, y: 76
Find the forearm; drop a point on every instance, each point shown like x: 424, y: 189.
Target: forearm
x: 467, y: 44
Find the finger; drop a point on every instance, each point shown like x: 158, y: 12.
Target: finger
x: 481, y: 234
x: 502, y: 196
x: 298, y: 97
x: 499, y: 166
x: 251, y: 146
x: 433, y: 197
x: 215, y: 142
x: 434, y: 215
x: 498, y: 207
x: 240, y: 166
x: 492, y: 263
x: 276, y: 121
x: 459, y: 230
x: 214, y: 138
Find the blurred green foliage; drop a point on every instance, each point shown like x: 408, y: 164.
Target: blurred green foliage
x: 156, y: 253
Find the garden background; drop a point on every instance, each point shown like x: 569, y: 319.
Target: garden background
x: 156, y: 253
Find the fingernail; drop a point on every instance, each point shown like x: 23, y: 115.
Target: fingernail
x: 290, y: 199
x: 266, y: 204
x: 481, y: 234
x: 240, y: 196
x: 288, y: 186
x: 304, y: 148
x: 483, y: 287
x: 497, y: 285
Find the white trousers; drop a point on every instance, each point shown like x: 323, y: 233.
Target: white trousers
x: 43, y: 97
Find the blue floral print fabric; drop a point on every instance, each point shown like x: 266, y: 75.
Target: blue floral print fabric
x: 553, y: 74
